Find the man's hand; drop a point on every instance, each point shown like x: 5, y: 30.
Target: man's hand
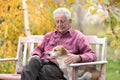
x: 72, y: 59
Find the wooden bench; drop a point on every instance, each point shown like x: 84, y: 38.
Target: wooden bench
x: 27, y: 44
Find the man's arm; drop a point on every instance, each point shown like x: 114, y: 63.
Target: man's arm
x: 87, y: 54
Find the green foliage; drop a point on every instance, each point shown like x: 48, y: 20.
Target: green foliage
x: 114, y: 27
x: 110, y: 16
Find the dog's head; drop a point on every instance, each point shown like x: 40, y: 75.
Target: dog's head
x: 58, y: 51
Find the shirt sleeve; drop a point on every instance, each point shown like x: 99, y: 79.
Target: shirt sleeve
x: 87, y: 54
x: 39, y: 50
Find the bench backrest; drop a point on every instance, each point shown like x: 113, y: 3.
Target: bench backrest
x: 27, y: 44
x: 99, y: 45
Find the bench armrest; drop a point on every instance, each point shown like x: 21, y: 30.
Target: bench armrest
x: 87, y: 63
x: 8, y: 59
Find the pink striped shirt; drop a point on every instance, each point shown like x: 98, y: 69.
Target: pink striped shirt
x: 73, y: 40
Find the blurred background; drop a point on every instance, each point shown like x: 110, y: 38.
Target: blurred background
x: 34, y: 17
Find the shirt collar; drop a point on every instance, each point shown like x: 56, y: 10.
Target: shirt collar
x: 69, y: 31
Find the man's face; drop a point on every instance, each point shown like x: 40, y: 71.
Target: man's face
x: 62, y: 23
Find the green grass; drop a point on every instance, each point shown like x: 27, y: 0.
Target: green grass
x: 113, y: 68
x: 113, y: 65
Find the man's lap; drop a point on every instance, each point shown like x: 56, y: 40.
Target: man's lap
x: 47, y: 70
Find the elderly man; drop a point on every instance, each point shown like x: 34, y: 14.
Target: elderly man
x: 43, y: 67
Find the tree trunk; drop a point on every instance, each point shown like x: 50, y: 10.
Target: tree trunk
x: 79, y: 16
x: 26, y: 22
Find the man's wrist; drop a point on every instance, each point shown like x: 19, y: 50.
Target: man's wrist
x: 79, y: 59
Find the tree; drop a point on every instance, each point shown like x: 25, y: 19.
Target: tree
x: 109, y: 12
x: 26, y: 22
x: 11, y: 27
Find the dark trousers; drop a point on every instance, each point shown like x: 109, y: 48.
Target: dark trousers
x: 41, y: 70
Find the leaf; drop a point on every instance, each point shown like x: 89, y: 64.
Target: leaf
x: 117, y: 52
x: 101, y: 2
x: 114, y: 1
x: 113, y: 43
x: 101, y: 14
x: 113, y: 21
x: 106, y: 22
x: 117, y: 30
x: 85, y: 7
x: 93, y: 11
x: 106, y: 2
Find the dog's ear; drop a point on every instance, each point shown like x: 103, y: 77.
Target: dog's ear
x: 64, y: 51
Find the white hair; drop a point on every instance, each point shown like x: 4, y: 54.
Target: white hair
x: 63, y: 10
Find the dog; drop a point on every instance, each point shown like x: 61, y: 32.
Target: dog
x: 84, y: 72
x: 60, y: 53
